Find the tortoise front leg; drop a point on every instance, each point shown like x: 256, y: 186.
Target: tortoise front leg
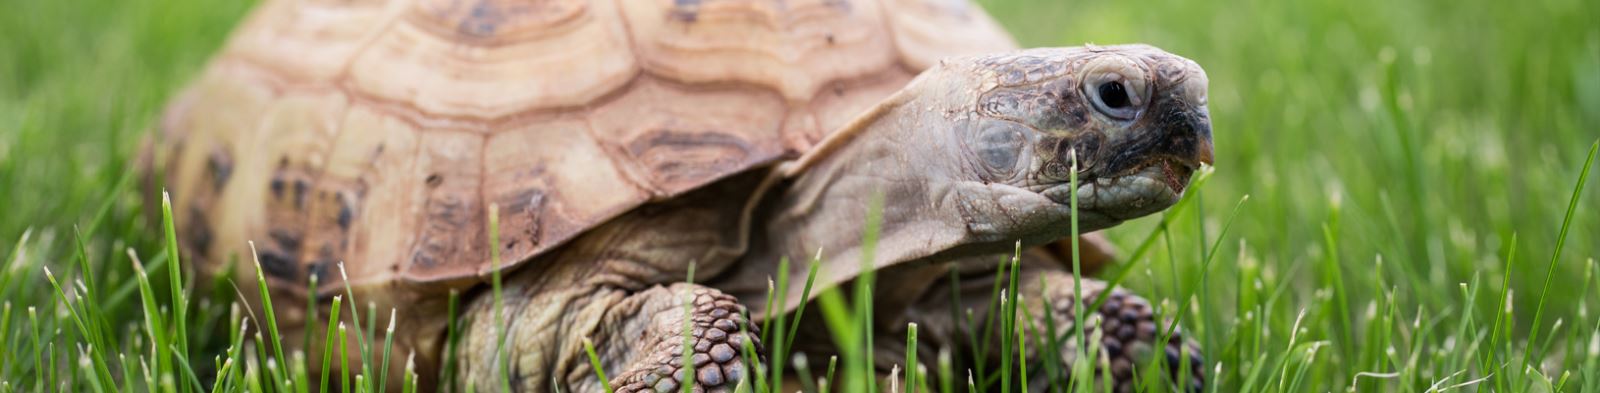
x: 654, y: 326
x: 638, y: 337
x: 1127, y: 328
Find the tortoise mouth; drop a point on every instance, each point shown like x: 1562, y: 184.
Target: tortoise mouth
x: 1138, y: 191
x: 1170, y: 171
x: 1175, y: 173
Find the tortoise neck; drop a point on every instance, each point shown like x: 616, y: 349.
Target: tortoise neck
x: 890, y: 175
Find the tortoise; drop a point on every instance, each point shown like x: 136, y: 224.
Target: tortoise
x: 371, y: 143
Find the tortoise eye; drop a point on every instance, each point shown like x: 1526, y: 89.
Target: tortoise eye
x: 1114, y: 95
x: 1116, y: 86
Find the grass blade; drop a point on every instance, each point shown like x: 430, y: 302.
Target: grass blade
x: 362, y: 344
x: 266, y: 307
x: 329, y: 342
x: 502, y: 362
x: 1561, y: 241
x: 688, y: 331
x: 911, y: 358
x: 452, y: 331
x: 154, y: 327
x: 344, y: 360
x: 180, y: 303
x: 594, y: 362
x: 805, y: 293
x: 388, y: 344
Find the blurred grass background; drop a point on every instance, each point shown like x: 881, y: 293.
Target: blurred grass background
x: 1390, y: 149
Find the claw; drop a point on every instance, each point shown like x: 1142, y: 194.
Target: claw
x: 719, y: 328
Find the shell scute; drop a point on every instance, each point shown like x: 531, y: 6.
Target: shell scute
x: 546, y: 195
x: 427, y: 63
x: 295, y: 139
x: 450, y: 228
x: 793, y: 47
x: 310, y: 41
x: 673, y: 138
x: 374, y: 165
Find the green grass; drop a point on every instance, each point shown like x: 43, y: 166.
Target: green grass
x: 1416, y: 219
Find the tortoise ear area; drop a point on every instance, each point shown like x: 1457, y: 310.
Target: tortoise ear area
x: 998, y: 149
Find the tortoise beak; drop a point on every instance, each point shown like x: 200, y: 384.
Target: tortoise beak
x: 1189, y: 137
x: 1205, y: 156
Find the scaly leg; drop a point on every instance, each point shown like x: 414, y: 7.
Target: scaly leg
x: 1128, y: 330
x: 653, y: 327
x: 638, y: 337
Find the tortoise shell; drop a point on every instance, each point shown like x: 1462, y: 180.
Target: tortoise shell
x: 379, y: 133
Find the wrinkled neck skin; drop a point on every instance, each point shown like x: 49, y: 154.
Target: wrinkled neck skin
x: 912, y: 155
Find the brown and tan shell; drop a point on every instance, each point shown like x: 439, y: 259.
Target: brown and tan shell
x: 379, y: 132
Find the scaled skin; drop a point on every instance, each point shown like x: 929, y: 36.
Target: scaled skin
x: 971, y: 157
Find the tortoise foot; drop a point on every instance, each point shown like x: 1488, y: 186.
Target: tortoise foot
x: 1129, y: 333
x: 717, y: 334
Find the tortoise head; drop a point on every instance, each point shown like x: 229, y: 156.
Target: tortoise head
x: 1132, y: 119
x: 979, y: 152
